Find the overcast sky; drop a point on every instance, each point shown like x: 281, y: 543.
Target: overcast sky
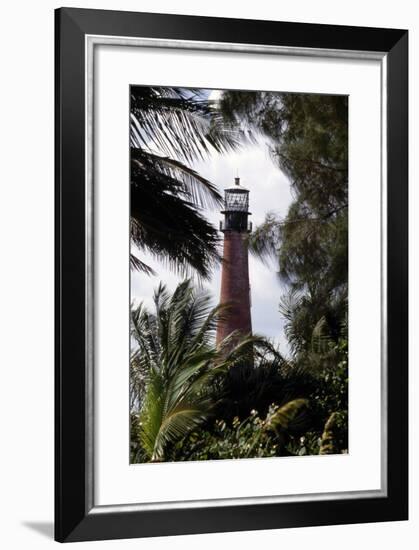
x: 270, y: 191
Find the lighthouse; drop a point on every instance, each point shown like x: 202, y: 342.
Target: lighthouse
x: 235, y: 287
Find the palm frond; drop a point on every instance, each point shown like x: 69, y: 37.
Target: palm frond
x: 178, y: 360
x: 180, y: 421
x: 193, y: 187
x: 327, y: 445
x: 171, y: 127
x: 139, y: 265
x: 167, y: 223
x: 282, y: 418
x: 321, y: 338
x: 179, y: 123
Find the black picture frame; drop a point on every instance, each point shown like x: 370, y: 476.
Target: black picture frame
x: 75, y: 520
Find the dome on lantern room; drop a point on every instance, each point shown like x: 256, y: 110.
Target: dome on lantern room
x: 237, y: 187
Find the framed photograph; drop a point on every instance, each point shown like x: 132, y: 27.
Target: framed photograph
x: 231, y: 275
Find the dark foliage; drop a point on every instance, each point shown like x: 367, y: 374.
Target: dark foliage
x: 247, y: 387
x: 171, y: 127
x: 165, y: 220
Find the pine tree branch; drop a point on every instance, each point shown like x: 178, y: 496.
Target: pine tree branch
x: 309, y: 161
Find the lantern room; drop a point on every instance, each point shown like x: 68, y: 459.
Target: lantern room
x: 236, y: 209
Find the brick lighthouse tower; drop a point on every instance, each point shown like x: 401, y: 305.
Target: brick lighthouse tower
x: 235, y: 287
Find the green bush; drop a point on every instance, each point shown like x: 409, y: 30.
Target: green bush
x: 243, y: 439
x: 252, y: 437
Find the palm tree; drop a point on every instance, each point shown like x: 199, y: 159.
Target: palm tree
x: 170, y: 128
x: 177, y: 358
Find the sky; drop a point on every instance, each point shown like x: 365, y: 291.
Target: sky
x: 270, y: 191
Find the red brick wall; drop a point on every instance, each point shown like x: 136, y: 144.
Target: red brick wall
x: 235, y: 288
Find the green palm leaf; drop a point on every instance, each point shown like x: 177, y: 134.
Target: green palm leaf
x: 282, y: 418
x: 181, y: 420
x: 177, y: 358
x: 170, y: 128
